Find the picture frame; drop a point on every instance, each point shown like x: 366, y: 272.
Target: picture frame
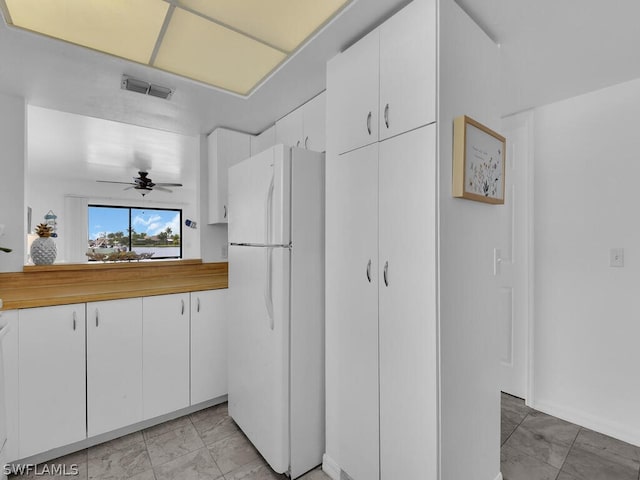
x: 478, y: 162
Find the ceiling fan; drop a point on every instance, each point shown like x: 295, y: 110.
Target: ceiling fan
x: 143, y: 183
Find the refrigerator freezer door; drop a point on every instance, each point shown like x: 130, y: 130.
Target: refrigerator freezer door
x: 259, y: 348
x: 259, y: 198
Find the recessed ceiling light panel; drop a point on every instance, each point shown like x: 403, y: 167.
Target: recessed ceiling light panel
x: 230, y: 44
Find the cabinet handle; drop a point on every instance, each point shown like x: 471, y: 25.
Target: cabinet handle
x: 386, y: 115
x: 306, y: 143
x: 298, y: 143
x: 369, y: 271
x: 182, y: 310
x: 369, y: 123
x: 97, y: 319
x: 386, y: 273
x: 74, y: 321
x: 198, y: 305
x: 225, y: 211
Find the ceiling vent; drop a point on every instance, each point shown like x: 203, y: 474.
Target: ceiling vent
x: 146, y: 88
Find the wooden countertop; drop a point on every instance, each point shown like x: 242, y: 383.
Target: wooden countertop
x: 46, y: 285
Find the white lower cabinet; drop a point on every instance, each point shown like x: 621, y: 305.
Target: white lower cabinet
x: 407, y: 306
x: 88, y: 369
x: 352, y: 303
x: 165, y: 354
x: 114, y: 364
x: 380, y: 304
x: 208, y: 345
x: 51, y: 377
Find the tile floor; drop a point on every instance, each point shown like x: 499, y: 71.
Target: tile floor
x: 536, y: 446
x: 207, y: 445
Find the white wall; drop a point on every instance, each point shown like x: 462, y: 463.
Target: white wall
x: 468, y: 232
x: 12, y: 210
x: 587, y: 328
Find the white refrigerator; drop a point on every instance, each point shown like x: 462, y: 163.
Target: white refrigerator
x: 276, y: 305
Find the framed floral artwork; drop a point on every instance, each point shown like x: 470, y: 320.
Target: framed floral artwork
x: 478, y: 162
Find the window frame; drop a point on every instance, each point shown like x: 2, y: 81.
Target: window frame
x: 129, y: 229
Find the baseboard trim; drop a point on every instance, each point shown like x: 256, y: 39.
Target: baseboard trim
x: 330, y: 467
x: 612, y: 429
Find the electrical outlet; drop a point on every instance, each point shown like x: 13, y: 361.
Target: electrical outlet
x: 224, y: 251
x: 616, y: 257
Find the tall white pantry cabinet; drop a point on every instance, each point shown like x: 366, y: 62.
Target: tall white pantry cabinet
x: 382, y: 204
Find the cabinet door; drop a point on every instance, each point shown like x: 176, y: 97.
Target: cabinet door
x: 208, y: 345
x: 52, y: 377
x: 114, y: 364
x: 314, y: 114
x: 289, y: 129
x: 352, y: 98
x: 352, y: 305
x: 225, y: 148
x: 408, y: 426
x: 11, y: 392
x: 408, y: 69
x: 165, y: 354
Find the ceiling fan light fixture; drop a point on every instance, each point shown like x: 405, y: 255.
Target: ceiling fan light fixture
x: 145, y: 88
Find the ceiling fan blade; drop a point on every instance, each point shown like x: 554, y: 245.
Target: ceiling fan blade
x: 129, y: 188
x: 162, y: 184
x: 162, y: 189
x: 109, y: 181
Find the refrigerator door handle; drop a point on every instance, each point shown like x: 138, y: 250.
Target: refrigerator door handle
x: 268, y: 214
x: 268, y: 290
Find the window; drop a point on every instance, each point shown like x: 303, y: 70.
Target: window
x: 140, y: 230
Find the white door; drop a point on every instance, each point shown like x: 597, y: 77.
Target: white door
x: 165, y: 354
x: 52, y: 377
x: 208, y: 345
x: 114, y: 364
x: 352, y: 104
x: 259, y: 192
x: 407, y: 286
x: 408, y: 69
x: 259, y: 348
x: 352, y: 306
x: 514, y: 266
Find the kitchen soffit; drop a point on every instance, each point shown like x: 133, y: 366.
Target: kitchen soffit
x: 229, y: 44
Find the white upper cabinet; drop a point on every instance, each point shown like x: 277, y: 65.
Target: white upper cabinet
x: 52, y: 377
x: 385, y: 84
x: 225, y: 148
x: 165, y: 354
x: 352, y: 107
x: 314, y: 115
x: 407, y: 69
x: 289, y: 130
x: 305, y: 126
x: 114, y: 381
x: 263, y: 141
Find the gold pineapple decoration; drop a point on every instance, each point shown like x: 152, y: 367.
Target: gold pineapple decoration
x: 43, y: 248
x: 43, y: 230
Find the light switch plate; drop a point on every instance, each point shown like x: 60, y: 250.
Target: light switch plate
x: 616, y: 257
